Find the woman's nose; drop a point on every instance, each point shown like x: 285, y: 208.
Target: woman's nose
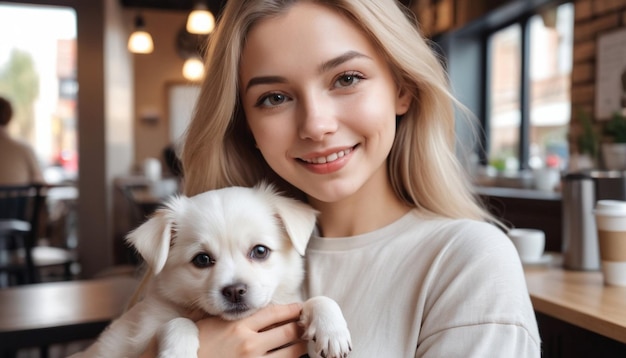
x: 317, y: 119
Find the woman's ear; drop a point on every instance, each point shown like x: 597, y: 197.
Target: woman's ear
x: 403, y: 101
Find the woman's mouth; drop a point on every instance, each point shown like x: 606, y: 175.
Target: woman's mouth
x: 328, y: 158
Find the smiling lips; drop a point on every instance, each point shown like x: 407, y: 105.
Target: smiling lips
x: 329, y: 158
x: 328, y: 163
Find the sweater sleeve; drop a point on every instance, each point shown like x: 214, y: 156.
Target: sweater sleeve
x: 478, y: 303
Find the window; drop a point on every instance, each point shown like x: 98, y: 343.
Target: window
x: 182, y: 100
x: 504, y: 98
x: 38, y: 76
x: 528, y: 93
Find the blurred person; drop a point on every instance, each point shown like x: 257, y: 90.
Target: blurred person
x: 18, y: 163
x: 172, y: 161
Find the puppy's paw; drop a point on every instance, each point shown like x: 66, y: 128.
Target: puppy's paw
x: 178, y: 338
x: 324, y: 324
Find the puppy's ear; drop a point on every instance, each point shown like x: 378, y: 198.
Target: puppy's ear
x: 298, y: 219
x: 152, y: 239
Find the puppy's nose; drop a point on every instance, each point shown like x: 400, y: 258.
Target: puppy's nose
x: 234, y: 293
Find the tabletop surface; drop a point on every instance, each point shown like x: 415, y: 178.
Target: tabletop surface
x: 576, y: 297
x: 579, y: 298
x: 49, y: 305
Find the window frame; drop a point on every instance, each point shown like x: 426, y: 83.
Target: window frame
x: 524, y: 90
x: 469, y: 44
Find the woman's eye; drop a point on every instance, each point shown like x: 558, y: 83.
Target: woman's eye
x: 348, y: 80
x: 272, y: 100
x: 259, y: 252
x: 203, y: 260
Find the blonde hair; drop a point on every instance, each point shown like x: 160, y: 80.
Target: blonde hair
x: 422, y: 166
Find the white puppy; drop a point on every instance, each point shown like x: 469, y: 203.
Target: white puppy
x: 227, y: 253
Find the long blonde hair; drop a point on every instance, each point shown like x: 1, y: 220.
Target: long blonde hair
x: 219, y: 150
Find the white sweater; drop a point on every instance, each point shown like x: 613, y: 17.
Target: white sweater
x: 427, y: 287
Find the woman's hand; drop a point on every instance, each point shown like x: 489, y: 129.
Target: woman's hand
x: 255, y: 336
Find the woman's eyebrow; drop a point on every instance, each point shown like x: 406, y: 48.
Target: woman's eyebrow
x: 265, y: 80
x: 334, y: 62
x: 325, y: 66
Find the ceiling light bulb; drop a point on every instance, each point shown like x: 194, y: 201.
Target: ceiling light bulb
x: 140, y: 42
x: 200, y: 20
x: 193, y: 69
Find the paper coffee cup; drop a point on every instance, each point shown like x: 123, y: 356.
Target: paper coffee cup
x: 611, y: 224
x: 529, y: 243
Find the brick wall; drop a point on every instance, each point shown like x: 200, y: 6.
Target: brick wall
x: 592, y: 19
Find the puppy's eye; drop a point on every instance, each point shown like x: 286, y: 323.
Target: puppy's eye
x: 203, y: 260
x: 259, y: 252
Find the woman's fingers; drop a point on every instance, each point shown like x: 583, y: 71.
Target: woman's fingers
x: 254, y: 336
x: 282, y: 337
x: 272, y: 315
x: 293, y: 351
x: 279, y: 331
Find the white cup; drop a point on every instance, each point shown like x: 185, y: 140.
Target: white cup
x: 529, y: 243
x: 611, y: 224
x: 546, y: 179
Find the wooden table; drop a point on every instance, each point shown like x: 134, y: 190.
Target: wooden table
x: 48, y: 313
x: 579, y: 298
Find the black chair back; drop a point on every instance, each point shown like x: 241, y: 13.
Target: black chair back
x: 20, y: 208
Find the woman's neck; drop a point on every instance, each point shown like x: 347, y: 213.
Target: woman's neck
x: 372, y: 207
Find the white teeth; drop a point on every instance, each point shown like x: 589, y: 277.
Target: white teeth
x: 329, y: 158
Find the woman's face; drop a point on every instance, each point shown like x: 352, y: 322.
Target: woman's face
x: 320, y: 101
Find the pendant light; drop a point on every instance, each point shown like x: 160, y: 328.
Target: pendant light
x: 140, y: 40
x: 193, y: 69
x: 200, y: 20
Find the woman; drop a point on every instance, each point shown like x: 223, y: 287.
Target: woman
x: 342, y: 104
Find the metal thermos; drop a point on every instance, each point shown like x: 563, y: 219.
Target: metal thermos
x: 580, y: 192
x: 580, y: 237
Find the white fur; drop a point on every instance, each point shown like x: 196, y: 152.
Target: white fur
x: 226, y: 224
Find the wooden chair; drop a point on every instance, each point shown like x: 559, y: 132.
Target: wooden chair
x: 20, y: 216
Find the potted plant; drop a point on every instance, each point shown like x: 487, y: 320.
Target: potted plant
x: 614, y: 151
x: 588, y: 142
